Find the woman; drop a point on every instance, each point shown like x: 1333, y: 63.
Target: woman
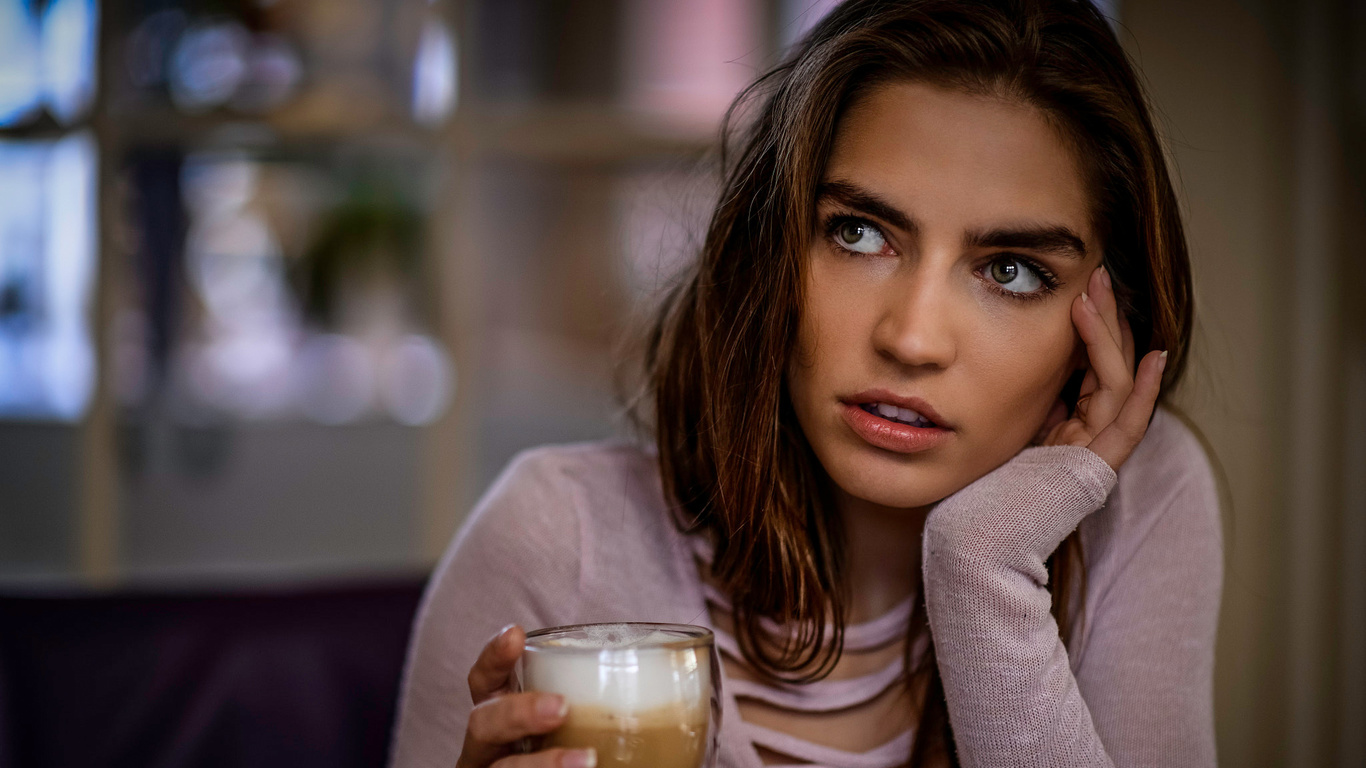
x: 907, y: 459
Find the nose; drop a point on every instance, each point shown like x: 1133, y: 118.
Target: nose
x: 915, y: 321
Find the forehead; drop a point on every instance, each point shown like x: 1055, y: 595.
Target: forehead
x: 951, y: 158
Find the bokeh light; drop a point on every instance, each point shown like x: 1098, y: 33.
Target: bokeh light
x: 21, y: 79
x: 47, y: 263
x: 68, y: 40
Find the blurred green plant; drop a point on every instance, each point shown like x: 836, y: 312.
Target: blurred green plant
x: 375, y: 230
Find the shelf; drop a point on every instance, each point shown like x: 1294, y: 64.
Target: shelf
x: 588, y: 134
x: 575, y: 134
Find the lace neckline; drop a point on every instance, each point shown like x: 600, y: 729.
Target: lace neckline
x: 865, y: 635
x: 822, y: 696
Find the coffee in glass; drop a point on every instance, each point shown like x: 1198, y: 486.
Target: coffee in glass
x: 641, y: 694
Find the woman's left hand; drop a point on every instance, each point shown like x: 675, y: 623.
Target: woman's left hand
x: 1115, y: 404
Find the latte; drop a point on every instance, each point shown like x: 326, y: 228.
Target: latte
x: 668, y: 737
x: 639, y: 694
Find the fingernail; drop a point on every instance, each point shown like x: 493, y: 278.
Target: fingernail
x: 1162, y: 360
x: 552, y: 706
x: 580, y: 758
x: 1105, y: 276
x: 1087, y: 301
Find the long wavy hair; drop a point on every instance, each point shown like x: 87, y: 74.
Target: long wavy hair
x: 733, y: 460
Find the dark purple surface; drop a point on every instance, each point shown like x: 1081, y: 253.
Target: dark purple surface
x: 297, y: 678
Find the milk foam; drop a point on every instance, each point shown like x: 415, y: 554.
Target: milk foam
x: 615, y: 667
x: 613, y: 636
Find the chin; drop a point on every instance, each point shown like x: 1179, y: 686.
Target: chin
x: 898, y: 497
x: 889, y: 483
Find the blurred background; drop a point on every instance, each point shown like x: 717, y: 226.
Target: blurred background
x: 285, y: 283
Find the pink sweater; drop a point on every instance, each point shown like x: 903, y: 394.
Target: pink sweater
x: 580, y: 533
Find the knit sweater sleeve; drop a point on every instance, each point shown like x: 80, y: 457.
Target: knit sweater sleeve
x: 515, y: 559
x: 1011, y: 694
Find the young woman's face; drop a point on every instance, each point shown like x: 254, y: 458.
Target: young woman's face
x: 952, y: 236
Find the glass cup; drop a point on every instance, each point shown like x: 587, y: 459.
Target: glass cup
x: 643, y: 695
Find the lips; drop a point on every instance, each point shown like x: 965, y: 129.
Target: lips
x: 894, y: 423
x: 880, y: 402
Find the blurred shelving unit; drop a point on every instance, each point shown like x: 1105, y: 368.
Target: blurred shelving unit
x: 548, y: 164
x: 50, y: 142
x: 583, y: 180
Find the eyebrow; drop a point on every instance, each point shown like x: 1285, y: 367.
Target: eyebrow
x: 1056, y: 239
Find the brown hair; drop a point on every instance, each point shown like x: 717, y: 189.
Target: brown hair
x: 733, y: 459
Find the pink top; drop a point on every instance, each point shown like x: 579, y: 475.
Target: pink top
x: 580, y: 533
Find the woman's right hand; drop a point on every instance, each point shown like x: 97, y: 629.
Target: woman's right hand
x: 501, y: 716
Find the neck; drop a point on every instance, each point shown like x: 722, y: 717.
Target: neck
x: 882, y: 548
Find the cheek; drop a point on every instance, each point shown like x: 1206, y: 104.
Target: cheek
x: 1027, y: 369
x: 830, y: 318
x: 804, y: 364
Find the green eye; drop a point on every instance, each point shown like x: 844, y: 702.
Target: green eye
x: 859, y: 236
x: 1008, y: 274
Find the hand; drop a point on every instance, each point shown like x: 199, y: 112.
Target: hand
x: 501, y: 717
x: 1115, y: 405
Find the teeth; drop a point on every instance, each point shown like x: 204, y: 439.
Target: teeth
x: 910, y: 417
x: 894, y: 413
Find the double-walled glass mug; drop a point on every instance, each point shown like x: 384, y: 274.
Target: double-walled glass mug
x: 643, y: 695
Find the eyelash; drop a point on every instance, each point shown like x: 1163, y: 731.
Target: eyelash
x: 1046, y: 276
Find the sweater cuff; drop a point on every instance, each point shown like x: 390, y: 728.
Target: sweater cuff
x: 1024, y: 507
x: 1095, y: 478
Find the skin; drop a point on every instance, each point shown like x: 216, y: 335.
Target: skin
x: 918, y: 317
x: 501, y: 717
x: 918, y: 310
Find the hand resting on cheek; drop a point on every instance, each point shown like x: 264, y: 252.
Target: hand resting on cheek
x: 985, y: 549
x: 1114, y: 407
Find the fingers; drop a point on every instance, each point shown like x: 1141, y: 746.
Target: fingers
x: 1112, y: 380
x: 512, y: 716
x: 1116, y: 400
x: 499, y: 722
x: 551, y: 758
x: 1088, y: 388
x: 492, y: 671
x: 1100, y: 292
x: 1117, y: 440
x: 501, y: 718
